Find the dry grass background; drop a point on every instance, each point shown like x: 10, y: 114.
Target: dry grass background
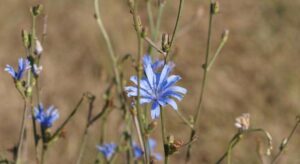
x: 258, y: 71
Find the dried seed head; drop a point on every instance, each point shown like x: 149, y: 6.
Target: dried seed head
x: 173, y: 144
x: 243, y: 122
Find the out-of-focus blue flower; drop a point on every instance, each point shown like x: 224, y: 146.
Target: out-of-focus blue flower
x: 138, y: 152
x: 152, y: 145
x: 157, y: 88
x: 23, y: 65
x: 107, y: 150
x: 45, y: 118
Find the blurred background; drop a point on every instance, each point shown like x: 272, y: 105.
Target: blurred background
x: 257, y: 72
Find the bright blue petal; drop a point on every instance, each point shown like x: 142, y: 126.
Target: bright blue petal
x: 171, y: 80
x: 107, y: 150
x: 157, y: 64
x: 178, y: 89
x: 10, y: 70
x: 138, y: 152
x: 172, y: 103
x: 155, y: 111
x: 164, y: 74
x: 134, y: 80
x: 144, y: 100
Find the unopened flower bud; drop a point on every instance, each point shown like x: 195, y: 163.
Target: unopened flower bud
x: 151, y: 126
x: 283, y: 144
x: 214, y: 7
x: 28, y: 92
x: 144, y: 32
x: 37, y: 69
x: 165, y: 42
x: 26, y: 38
x: 225, y: 35
x: 36, y: 10
x: 38, y: 48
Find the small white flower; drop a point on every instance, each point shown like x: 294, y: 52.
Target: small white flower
x: 243, y: 122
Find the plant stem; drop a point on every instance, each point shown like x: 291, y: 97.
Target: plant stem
x: 138, y: 28
x: 199, y: 105
x: 176, y: 26
x: 163, y: 132
x: 235, y: 139
x: 112, y: 55
x: 158, y: 20
x: 287, y: 141
x: 82, y: 145
x: 184, y: 119
x: 150, y: 16
x: 21, y: 136
x: 58, y: 131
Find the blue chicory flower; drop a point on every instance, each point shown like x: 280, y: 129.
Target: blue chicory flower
x: 107, y: 150
x: 157, y: 88
x: 138, y: 152
x: 23, y: 65
x: 45, y: 118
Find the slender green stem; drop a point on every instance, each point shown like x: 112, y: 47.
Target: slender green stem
x: 82, y: 145
x: 150, y: 16
x: 220, y: 47
x: 110, y: 49
x: 235, y: 139
x: 276, y: 157
x: 152, y: 44
x: 138, y: 29
x: 184, y: 119
x: 176, y: 26
x: 43, y: 154
x: 21, y: 136
x: 163, y: 132
x: 199, y: 105
x: 158, y: 20
x: 58, y: 131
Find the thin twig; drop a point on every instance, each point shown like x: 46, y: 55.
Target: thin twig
x: 276, y: 157
x: 21, y: 136
x: 163, y: 132
x: 175, y: 27
x: 58, y: 131
x: 199, y: 105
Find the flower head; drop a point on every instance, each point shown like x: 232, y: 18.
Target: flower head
x: 23, y: 65
x: 45, y: 118
x: 138, y: 152
x: 107, y: 150
x: 243, y: 122
x: 157, y: 88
